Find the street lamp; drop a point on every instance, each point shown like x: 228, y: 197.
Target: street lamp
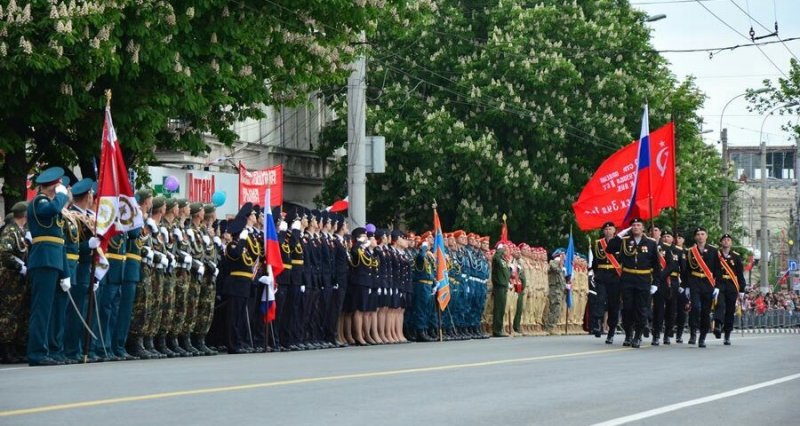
x: 764, y: 238
x: 654, y: 18
x: 723, y: 138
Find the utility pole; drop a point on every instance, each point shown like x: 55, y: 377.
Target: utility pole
x: 724, y: 212
x: 356, y: 135
x: 764, y: 225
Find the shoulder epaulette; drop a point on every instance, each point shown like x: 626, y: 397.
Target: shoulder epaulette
x: 651, y: 239
x: 736, y: 253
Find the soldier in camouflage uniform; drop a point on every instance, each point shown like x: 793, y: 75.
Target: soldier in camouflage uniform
x: 159, y: 270
x: 13, y: 251
x: 182, y: 273
x: 197, y: 273
x: 144, y: 299
x: 169, y: 247
x: 208, y: 292
x: 557, y: 284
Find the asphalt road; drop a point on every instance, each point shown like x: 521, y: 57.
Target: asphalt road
x: 574, y: 380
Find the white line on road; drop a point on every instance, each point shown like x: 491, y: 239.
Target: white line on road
x: 698, y: 401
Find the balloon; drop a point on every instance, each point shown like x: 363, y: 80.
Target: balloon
x: 171, y: 184
x: 370, y: 228
x: 218, y: 198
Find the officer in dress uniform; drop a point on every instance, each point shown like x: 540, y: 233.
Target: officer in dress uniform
x: 671, y: 303
x: 702, y: 274
x: 47, y: 261
x: 340, y: 255
x: 640, y: 269
x: 662, y: 298
x: 731, y: 287
x: 327, y: 330
x: 362, y: 272
x: 238, y: 281
x: 681, y: 301
x: 501, y: 276
x: 423, y: 286
x: 607, y: 271
x: 13, y: 271
x: 297, y: 285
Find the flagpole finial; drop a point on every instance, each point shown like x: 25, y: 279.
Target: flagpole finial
x: 108, y: 97
x: 434, y: 204
x: 504, y: 217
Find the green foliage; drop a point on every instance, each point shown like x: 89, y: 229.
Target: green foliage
x: 177, y: 69
x: 785, y: 92
x: 495, y: 107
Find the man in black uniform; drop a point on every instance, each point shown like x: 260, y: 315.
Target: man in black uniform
x: 731, y: 286
x: 681, y: 300
x: 702, y: 274
x: 340, y: 256
x: 666, y: 290
x: 607, y: 272
x: 639, y: 259
x: 236, y: 287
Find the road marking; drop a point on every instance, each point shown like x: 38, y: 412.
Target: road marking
x: 666, y: 409
x: 95, y: 403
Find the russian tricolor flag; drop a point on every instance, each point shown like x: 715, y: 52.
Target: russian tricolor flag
x: 641, y: 196
x: 273, y: 260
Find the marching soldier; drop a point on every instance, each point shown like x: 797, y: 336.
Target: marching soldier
x: 46, y: 261
x: 607, y: 272
x: 681, y: 300
x: 639, y: 259
x: 702, y: 274
x: 731, y: 287
x: 197, y: 270
x: 182, y: 276
x: 663, y: 318
x: 158, y: 282
x: 168, y: 248
x: 13, y: 272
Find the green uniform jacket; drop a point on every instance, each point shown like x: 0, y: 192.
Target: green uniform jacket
x: 501, y: 274
x: 133, y: 256
x: 44, y: 223
x: 116, y: 258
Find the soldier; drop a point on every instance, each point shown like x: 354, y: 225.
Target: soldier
x: 671, y: 302
x: 196, y: 275
x: 13, y: 272
x: 501, y: 275
x: 169, y: 246
x: 341, y: 270
x: 176, y: 219
x: 681, y: 300
x: 607, y: 271
x: 701, y: 276
x: 663, y: 296
x: 362, y: 273
x: 401, y: 269
x: 639, y: 259
x: 239, y: 279
x: 46, y: 261
x: 423, y: 286
x: 731, y: 286
x: 161, y: 264
x: 557, y: 283
x: 143, y: 298
x: 108, y: 300
x: 519, y: 285
x: 205, y: 307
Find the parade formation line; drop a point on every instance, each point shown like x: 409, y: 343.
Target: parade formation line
x: 147, y: 397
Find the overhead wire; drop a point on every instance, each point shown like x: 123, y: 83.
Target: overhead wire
x: 752, y: 19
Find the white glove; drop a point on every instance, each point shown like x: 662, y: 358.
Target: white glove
x: 61, y: 189
x: 216, y: 272
x: 715, y: 293
x: 152, y: 225
x: 624, y: 232
x: 282, y: 226
x: 201, y: 271
x: 653, y: 289
x: 568, y: 287
x: 296, y: 225
x: 687, y: 293
x: 95, y: 286
x: 303, y: 289
x: 680, y: 290
x: 218, y: 241
x: 164, y: 262
x: 424, y: 245
x: 23, y: 270
x: 149, y: 254
x: 165, y: 233
x: 29, y: 237
x: 379, y: 292
x: 187, y: 259
x: 190, y: 233
x: 206, y: 240
x: 64, y: 283
x: 244, y: 234
x: 741, y: 295
x: 336, y: 286
x: 178, y: 234
x: 265, y: 279
x: 94, y: 242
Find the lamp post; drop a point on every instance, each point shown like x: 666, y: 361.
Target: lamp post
x: 723, y: 138
x: 654, y: 18
x: 764, y: 226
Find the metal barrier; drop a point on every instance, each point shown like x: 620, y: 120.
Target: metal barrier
x: 769, y: 320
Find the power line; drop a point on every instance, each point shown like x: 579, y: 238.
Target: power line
x: 742, y: 35
x: 752, y: 19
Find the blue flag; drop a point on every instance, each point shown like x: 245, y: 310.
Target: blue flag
x: 568, y: 267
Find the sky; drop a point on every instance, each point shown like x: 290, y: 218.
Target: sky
x: 729, y: 73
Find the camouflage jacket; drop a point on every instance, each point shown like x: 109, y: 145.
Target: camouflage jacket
x: 13, y: 248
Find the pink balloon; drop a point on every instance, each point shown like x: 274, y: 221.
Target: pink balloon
x: 171, y: 183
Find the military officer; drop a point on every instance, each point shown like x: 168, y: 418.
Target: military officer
x: 640, y: 269
x: 607, y: 271
x: 682, y: 300
x: 423, y: 286
x: 501, y: 276
x: 341, y: 272
x: 557, y: 284
x: 662, y: 298
x: 13, y: 272
x: 702, y: 275
x: 239, y: 279
x: 46, y: 261
x: 731, y: 287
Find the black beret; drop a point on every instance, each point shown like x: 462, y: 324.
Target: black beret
x: 637, y: 220
x: 699, y: 229
x: 607, y: 224
x: 725, y: 236
x: 358, y: 232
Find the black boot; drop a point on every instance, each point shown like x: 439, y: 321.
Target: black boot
x: 201, y: 345
x: 702, y: 342
x: 656, y: 341
x: 666, y: 340
x: 717, y: 331
x: 150, y: 347
x: 5, y: 354
x: 423, y: 337
x: 679, y: 335
x: 161, y: 346
x: 136, y: 348
x: 727, y: 341
x: 597, y: 328
x: 186, y: 344
x: 692, y: 337
x: 628, y: 338
x: 637, y: 340
x: 610, y: 338
x: 172, y: 343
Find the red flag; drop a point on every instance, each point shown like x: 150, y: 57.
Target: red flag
x: 253, y: 185
x: 117, y: 210
x: 504, y: 230
x: 340, y: 205
x: 607, y: 195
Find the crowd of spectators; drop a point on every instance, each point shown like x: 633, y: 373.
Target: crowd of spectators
x: 782, y: 300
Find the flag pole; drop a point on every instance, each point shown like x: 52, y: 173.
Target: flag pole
x: 91, y: 299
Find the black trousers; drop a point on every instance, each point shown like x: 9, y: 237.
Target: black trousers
x: 290, y: 315
x: 680, y: 312
x: 662, y: 322
x: 726, y: 305
x: 635, y: 307
x: 607, y: 299
x: 235, y: 322
x: 701, y: 311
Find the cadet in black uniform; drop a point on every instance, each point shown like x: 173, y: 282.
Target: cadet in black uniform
x: 732, y: 286
x: 665, y: 293
x: 639, y: 259
x: 682, y: 300
x: 702, y: 274
x: 607, y: 272
x: 236, y: 287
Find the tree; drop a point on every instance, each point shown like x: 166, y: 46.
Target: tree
x: 177, y: 69
x: 786, y: 92
x: 495, y: 107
